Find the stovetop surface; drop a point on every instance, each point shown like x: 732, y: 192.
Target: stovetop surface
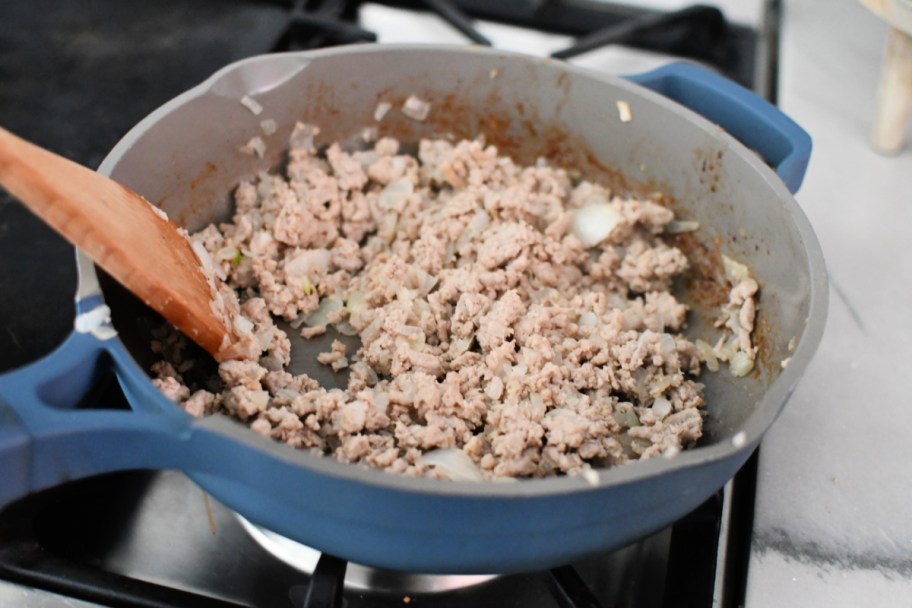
x: 156, y: 537
x: 74, y: 77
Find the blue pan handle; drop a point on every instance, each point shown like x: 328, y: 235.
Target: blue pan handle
x: 745, y: 115
x: 45, y: 440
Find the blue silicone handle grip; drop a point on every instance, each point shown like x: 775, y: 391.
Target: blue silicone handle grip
x: 45, y: 440
x: 745, y: 115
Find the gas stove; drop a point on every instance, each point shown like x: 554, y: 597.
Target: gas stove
x: 74, y: 78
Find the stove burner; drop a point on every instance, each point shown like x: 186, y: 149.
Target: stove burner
x: 358, y: 577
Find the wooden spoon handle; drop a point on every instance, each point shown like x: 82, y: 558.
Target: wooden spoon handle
x: 120, y: 231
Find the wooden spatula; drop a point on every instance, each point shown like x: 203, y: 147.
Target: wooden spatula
x: 121, y: 232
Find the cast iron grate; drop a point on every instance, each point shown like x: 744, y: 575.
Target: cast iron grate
x: 52, y: 541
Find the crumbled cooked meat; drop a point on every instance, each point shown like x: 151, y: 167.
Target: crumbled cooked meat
x: 335, y: 358
x: 200, y: 403
x: 486, y: 325
x: 242, y: 373
x: 311, y: 332
x: 738, y: 317
x: 172, y: 389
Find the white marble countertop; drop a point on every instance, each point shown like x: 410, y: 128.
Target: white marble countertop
x: 832, y: 524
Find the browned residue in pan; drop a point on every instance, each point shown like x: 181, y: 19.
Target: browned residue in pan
x: 763, y: 333
x: 702, y: 278
x: 209, y: 515
x: 709, y: 162
x: 198, y: 203
x: 206, y: 172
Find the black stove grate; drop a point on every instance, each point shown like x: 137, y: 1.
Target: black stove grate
x: 697, y: 32
x: 61, y: 540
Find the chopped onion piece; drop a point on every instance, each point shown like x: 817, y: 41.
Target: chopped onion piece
x: 260, y: 399
x: 306, y: 263
x: 206, y: 260
x: 321, y: 315
x: 453, y: 462
x: 345, y: 328
x: 476, y: 226
x: 380, y: 111
x: 661, y: 407
x: 356, y: 303
x: 242, y: 325
x: 626, y: 418
x: 395, y: 194
x: 671, y: 451
x: 726, y: 350
x: 254, y: 147
x: 269, y: 126
x: 226, y: 253
x: 416, y: 108
x: 591, y: 476
x: 459, y: 346
x: 369, y: 134
x: 410, y: 330
x: 494, y: 389
x: 707, y: 355
x: 667, y: 344
x: 594, y: 223
x: 587, y: 319
x: 370, y: 332
x: 302, y: 137
x: 735, y: 270
x: 252, y: 104
x: 381, y: 399
x: 741, y: 364
x: 681, y: 226
x: 158, y: 211
x: 538, y: 406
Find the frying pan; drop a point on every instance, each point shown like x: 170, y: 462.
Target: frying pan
x: 185, y: 157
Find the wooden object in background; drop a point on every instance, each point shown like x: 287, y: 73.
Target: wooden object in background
x: 894, y: 105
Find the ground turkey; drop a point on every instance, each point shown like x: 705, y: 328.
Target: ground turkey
x: 486, y: 326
